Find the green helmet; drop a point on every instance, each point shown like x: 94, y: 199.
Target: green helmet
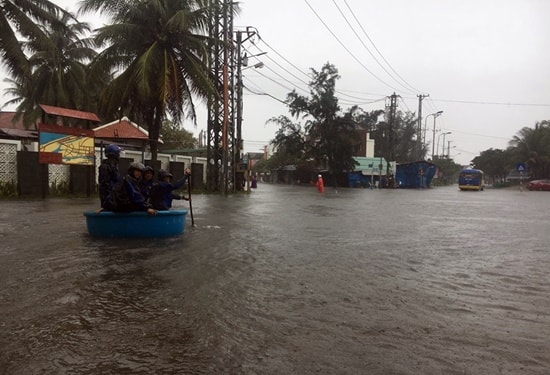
x: 163, y: 173
x: 135, y: 165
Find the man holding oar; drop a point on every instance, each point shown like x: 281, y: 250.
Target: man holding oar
x: 161, y: 194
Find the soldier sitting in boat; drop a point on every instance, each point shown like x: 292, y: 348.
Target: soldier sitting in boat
x: 161, y: 194
x: 126, y: 195
x: 146, y: 182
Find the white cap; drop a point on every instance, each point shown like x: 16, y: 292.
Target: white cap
x: 319, y: 176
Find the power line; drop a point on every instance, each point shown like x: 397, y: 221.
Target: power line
x: 491, y: 103
x: 477, y: 135
x: 365, y: 46
x: 266, y: 94
x: 377, y: 50
x: 284, y: 69
x: 347, y: 49
x: 340, y: 92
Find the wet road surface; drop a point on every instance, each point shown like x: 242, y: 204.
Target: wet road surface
x: 284, y: 281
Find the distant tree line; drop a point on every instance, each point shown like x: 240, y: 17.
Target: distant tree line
x: 321, y: 136
x: 530, y: 146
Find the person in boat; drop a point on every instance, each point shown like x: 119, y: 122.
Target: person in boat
x: 147, y: 181
x: 108, y: 173
x: 127, y: 196
x: 162, y: 192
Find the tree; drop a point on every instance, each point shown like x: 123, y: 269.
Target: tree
x: 448, y: 170
x: 289, y: 142
x: 404, y: 132
x: 160, y: 49
x: 175, y: 137
x: 59, y: 74
x: 494, y: 162
x: 532, y: 145
x: 23, y: 18
x: 329, y: 133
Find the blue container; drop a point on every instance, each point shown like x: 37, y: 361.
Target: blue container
x: 136, y: 224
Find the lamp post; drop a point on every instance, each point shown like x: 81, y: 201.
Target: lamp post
x: 442, y: 134
x: 449, y: 148
x: 435, y: 115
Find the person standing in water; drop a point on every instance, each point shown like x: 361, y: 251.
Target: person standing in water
x: 320, y: 184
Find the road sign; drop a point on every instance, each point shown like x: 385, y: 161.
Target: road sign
x: 521, y: 167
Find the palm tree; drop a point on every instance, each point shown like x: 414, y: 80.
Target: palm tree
x: 59, y: 71
x: 24, y: 18
x: 159, y: 50
x: 532, y: 145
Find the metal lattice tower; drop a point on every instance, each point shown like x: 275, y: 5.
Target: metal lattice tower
x: 221, y: 124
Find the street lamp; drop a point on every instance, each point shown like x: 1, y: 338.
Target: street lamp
x: 435, y: 115
x: 449, y: 148
x: 442, y: 134
x: 256, y: 66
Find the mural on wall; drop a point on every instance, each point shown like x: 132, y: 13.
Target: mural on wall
x: 63, y: 145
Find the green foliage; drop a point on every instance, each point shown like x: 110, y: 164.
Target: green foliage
x: 448, y: 171
x: 405, y: 149
x: 8, y: 189
x: 532, y: 146
x: 495, y: 163
x: 329, y: 134
x: 289, y: 143
x: 328, y: 137
x: 59, y: 188
x: 26, y: 19
x: 161, y: 49
x: 58, y: 73
x: 175, y: 137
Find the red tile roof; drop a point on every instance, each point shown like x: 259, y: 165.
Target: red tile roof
x: 72, y: 113
x: 18, y: 133
x: 121, y: 129
x: 6, y: 121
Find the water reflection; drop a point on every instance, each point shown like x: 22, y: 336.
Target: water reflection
x: 284, y: 280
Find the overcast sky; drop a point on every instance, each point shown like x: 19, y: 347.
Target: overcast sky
x: 484, y: 63
x: 464, y: 54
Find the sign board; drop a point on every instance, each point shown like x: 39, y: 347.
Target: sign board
x: 63, y: 145
x: 521, y: 167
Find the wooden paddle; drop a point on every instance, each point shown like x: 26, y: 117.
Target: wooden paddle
x: 190, y: 204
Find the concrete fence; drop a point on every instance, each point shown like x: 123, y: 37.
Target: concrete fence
x: 21, y: 174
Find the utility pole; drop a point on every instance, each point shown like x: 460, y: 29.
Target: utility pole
x: 420, y: 137
x: 239, y: 98
x: 391, y: 124
x: 238, y: 142
x: 220, y: 110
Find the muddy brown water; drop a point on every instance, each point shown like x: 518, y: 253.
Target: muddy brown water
x: 284, y: 281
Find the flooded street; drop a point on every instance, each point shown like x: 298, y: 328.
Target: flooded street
x: 284, y: 281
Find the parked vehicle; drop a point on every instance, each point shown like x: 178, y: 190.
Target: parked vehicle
x: 539, y: 185
x: 471, y: 179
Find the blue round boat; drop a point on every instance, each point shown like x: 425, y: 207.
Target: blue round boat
x: 135, y: 224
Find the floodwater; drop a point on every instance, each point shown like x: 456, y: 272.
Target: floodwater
x: 284, y: 281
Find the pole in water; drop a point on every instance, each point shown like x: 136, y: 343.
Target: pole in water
x: 190, y: 204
